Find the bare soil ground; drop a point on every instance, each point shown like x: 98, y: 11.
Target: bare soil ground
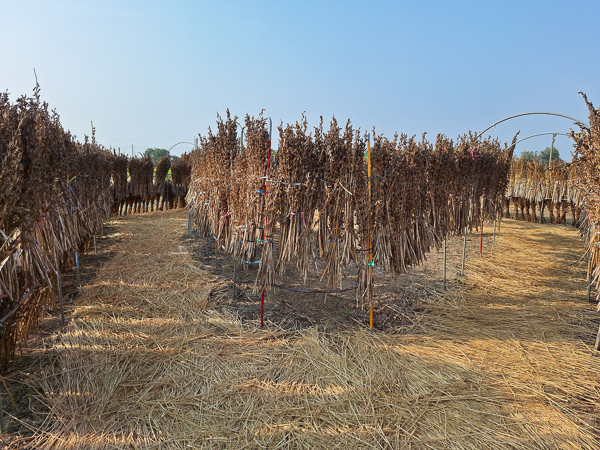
x: 157, y: 354
x: 398, y: 300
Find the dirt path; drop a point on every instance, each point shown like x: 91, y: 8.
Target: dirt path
x: 152, y: 360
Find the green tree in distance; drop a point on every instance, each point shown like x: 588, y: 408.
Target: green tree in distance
x: 157, y: 153
x: 542, y: 156
x: 545, y: 155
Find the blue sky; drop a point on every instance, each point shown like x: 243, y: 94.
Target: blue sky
x: 153, y: 73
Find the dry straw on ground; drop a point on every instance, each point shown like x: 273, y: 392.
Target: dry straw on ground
x: 148, y: 364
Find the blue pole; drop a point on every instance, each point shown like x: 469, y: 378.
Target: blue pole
x: 77, y: 269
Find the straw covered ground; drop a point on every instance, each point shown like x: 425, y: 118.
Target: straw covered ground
x: 501, y: 361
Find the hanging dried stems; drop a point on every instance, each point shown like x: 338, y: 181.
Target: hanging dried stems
x: 296, y: 193
x: 313, y: 202
x: 534, y: 188
x: 137, y: 187
x: 180, y: 177
x: 54, y: 195
x: 422, y: 192
x: 585, y: 169
x: 161, y: 187
x: 119, y: 189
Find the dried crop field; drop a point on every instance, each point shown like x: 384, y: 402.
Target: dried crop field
x: 154, y: 359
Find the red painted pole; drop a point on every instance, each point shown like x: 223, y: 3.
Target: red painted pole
x: 481, y: 240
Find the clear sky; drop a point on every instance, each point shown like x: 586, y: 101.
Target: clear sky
x: 153, y: 73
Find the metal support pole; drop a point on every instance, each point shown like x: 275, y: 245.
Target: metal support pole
x: 462, y: 269
x: 444, y: 262
x: 263, y: 213
x: 371, y: 262
x: 551, y: 147
x: 77, y: 273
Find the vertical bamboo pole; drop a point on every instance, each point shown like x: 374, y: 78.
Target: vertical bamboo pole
x: 371, y: 262
x: 462, y: 269
x: 444, y: 262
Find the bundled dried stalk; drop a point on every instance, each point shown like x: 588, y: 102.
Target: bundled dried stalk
x: 160, y: 181
x: 180, y: 177
x: 296, y: 193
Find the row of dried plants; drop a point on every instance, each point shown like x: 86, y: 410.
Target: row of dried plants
x: 586, y: 164
x: 310, y: 200
x: 534, y: 188
x: 55, y: 193
x: 54, y: 196
x: 137, y: 186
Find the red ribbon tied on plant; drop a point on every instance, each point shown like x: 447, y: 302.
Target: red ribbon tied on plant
x: 224, y: 216
x: 474, y: 153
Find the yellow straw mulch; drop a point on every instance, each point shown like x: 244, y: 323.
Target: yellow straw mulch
x: 503, y: 363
